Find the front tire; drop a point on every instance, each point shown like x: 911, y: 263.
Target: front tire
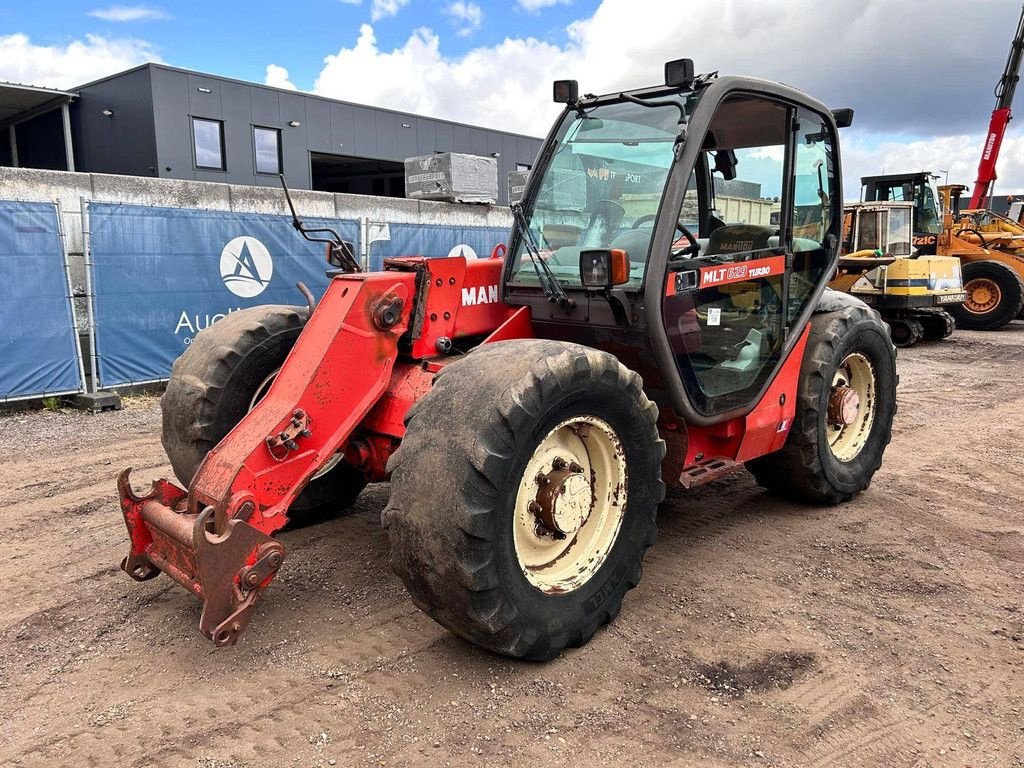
x: 478, y: 542
x: 216, y: 382
x: 846, y: 401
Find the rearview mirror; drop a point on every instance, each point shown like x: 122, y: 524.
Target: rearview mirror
x: 337, y: 253
x: 604, y: 268
x: 725, y: 163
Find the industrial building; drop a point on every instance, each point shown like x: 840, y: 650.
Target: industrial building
x: 161, y: 121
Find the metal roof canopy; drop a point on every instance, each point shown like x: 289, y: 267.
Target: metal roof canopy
x: 23, y: 102
x: 19, y: 103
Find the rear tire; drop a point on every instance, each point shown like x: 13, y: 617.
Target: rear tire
x: 821, y: 464
x: 995, y: 296
x: 464, y: 475
x: 937, y: 323
x: 212, y: 387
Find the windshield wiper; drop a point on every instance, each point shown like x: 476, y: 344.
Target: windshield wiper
x: 553, y: 289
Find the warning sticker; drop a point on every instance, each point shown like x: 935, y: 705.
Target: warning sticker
x: 738, y: 273
x: 714, y: 315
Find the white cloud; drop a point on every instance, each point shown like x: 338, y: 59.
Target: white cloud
x: 467, y: 16
x: 123, y: 13
x: 864, y: 155
x: 899, y: 104
x: 381, y: 9
x: 535, y: 5
x: 76, y: 63
x: 277, y: 77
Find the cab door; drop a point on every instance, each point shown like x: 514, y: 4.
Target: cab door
x: 765, y: 211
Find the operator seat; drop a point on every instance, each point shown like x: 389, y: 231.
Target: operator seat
x: 737, y: 238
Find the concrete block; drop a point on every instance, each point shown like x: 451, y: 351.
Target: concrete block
x: 97, y: 401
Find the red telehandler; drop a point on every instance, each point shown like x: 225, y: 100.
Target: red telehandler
x: 529, y: 410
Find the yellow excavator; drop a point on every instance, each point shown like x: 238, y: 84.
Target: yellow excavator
x: 879, y: 265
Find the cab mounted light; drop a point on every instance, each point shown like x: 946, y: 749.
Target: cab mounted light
x: 566, y: 92
x: 843, y: 117
x: 679, y: 73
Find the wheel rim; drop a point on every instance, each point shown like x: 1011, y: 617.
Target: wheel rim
x: 570, y: 504
x: 261, y: 392
x: 983, y: 295
x: 851, y: 407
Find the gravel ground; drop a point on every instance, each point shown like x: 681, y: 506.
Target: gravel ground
x: 887, y: 632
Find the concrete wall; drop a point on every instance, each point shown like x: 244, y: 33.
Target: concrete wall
x: 68, y: 190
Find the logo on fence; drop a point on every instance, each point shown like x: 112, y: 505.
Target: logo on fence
x: 246, y: 267
x: 462, y: 250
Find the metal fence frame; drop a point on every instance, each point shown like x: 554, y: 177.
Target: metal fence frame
x: 62, y: 235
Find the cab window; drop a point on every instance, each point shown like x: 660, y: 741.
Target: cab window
x: 815, y: 208
x: 724, y: 308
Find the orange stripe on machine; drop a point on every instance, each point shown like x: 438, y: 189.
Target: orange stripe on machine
x: 742, y: 271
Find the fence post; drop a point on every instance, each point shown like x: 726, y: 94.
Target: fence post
x: 71, y: 291
x: 89, y: 295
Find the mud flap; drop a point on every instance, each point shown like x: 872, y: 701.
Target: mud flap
x: 227, y: 571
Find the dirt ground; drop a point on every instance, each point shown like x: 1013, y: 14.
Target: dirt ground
x: 887, y: 632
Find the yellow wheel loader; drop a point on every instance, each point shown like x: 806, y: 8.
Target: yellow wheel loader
x: 993, y: 279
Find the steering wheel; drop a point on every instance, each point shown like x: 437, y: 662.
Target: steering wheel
x: 691, y: 250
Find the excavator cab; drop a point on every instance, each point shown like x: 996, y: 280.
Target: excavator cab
x: 918, y: 188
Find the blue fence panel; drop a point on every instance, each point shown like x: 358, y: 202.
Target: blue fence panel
x: 432, y: 241
x: 39, y: 351
x: 161, y: 275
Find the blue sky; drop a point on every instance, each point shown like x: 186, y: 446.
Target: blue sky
x: 239, y: 39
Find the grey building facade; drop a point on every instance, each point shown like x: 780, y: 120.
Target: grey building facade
x: 161, y: 121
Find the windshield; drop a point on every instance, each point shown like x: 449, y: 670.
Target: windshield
x: 601, y: 189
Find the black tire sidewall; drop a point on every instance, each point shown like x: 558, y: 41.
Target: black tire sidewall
x: 235, y: 400
x: 598, y: 599
x: 869, y: 339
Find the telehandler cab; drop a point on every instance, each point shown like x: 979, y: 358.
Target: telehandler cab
x: 529, y: 410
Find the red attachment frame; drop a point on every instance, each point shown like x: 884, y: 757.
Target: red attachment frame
x: 342, y: 388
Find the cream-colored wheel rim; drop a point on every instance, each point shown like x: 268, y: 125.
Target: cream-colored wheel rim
x: 851, y: 407
x: 570, y: 504
x: 261, y: 392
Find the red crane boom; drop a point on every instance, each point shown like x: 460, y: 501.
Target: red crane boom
x: 1001, y: 115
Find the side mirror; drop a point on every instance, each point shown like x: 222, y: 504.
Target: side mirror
x: 843, y: 117
x: 338, y: 253
x: 604, y: 268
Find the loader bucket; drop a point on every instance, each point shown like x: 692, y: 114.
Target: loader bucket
x: 227, y: 571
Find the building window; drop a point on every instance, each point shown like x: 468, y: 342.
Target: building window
x: 208, y: 143
x: 267, y: 143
